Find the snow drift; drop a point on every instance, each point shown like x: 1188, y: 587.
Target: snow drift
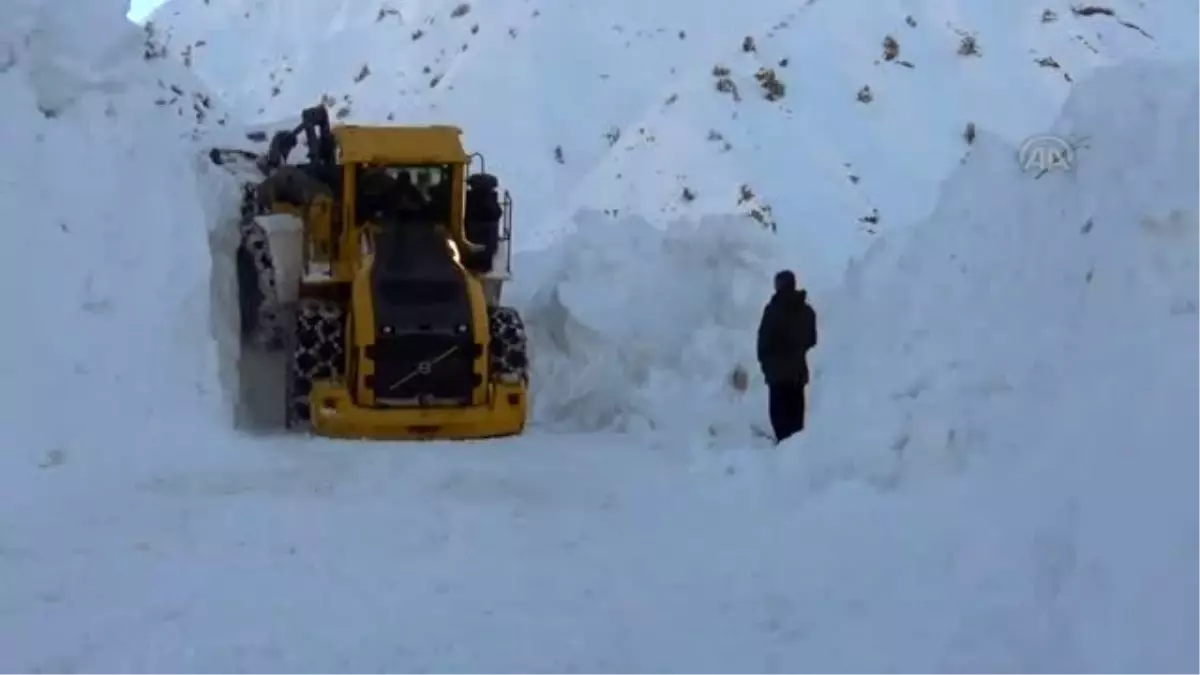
x: 1019, y: 286
x: 1039, y: 337
x: 638, y: 328
x: 109, y: 258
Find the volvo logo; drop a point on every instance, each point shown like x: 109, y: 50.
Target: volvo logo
x: 423, y: 368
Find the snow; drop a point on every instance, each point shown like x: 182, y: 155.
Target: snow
x: 110, y: 245
x: 999, y: 470
x: 654, y: 351
x: 525, y: 78
x: 1044, y: 345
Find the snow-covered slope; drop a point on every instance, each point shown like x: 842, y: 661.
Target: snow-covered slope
x: 617, y: 106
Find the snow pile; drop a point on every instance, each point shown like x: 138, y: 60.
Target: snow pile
x: 1036, y: 338
x: 656, y: 109
x: 1019, y: 287
x: 110, y: 344
x: 638, y: 328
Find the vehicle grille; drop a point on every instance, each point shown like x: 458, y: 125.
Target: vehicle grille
x: 424, y: 369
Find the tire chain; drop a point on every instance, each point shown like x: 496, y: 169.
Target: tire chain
x: 318, y: 352
x: 509, y: 342
x: 320, y: 340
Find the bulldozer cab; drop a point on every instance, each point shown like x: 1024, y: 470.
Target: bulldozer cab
x: 444, y: 196
x: 380, y: 177
x: 426, y: 173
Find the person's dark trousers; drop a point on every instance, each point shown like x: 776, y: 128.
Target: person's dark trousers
x: 785, y: 404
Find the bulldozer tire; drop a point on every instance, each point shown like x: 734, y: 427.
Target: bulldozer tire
x: 262, y: 316
x: 509, y: 350
x: 318, y: 352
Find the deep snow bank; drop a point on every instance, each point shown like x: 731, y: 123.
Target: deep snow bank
x: 638, y: 328
x: 1039, y: 336
x: 109, y: 347
x: 1025, y: 302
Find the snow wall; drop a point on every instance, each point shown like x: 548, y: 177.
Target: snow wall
x: 1018, y: 286
x: 1038, y: 339
x: 108, y: 251
x: 638, y: 328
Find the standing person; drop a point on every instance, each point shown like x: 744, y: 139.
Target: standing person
x: 787, y: 331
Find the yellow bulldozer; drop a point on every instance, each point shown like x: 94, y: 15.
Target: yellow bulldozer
x: 377, y: 266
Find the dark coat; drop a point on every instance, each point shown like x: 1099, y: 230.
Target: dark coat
x: 787, y: 331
